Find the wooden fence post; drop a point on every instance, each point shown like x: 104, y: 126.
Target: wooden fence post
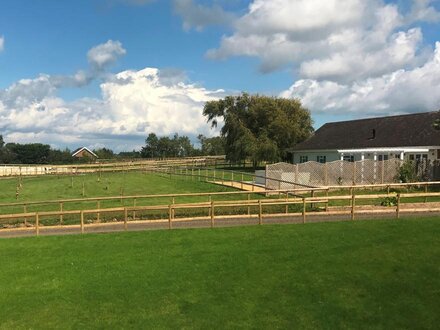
x: 260, y: 213
x: 287, y: 200
x: 134, y: 211
x: 383, y: 172
x: 125, y: 218
x: 353, y: 203
x: 354, y: 172
x: 326, y: 203
x: 212, y: 214
x: 170, y: 216
x: 304, y: 210
x: 249, y: 207
x: 25, y: 211
x: 98, y: 215
x: 82, y: 221
x: 37, y: 224
x: 61, y: 215
x: 398, y: 206
x: 426, y: 191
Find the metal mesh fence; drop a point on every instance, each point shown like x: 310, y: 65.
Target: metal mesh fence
x: 284, y: 175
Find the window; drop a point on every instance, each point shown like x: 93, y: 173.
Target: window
x: 382, y: 157
x: 349, y: 158
x: 321, y: 159
x: 420, y: 157
x: 411, y: 157
x: 438, y: 153
x: 303, y: 159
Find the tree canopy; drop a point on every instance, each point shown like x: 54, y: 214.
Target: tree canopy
x: 213, y: 146
x: 258, y: 127
x: 177, y: 146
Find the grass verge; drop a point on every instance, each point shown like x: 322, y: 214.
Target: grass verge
x: 378, y: 274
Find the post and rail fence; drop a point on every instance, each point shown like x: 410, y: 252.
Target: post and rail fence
x: 293, y: 205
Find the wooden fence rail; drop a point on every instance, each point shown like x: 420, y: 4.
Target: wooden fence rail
x: 214, y: 208
x: 298, y: 192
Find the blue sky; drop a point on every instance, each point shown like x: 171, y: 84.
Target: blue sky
x: 344, y: 59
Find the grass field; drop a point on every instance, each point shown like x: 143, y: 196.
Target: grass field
x: 110, y: 184
x: 368, y: 274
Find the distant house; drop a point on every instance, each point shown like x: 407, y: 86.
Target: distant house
x: 84, y: 153
x: 413, y: 137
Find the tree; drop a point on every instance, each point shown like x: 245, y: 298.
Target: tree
x: 150, y: 150
x: 213, y: 146
x: 32, y: 153
x: 177, y: 146
x: 258, y: 127
x: 104, y: 153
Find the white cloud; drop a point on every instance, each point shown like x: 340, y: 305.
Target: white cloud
x: 338, y: 40
x: 199, y: 16
x: 133, y: 104
x: 422, y: 10
x: 402, y: 91
x: 103, y: 55
x: 2, y: 43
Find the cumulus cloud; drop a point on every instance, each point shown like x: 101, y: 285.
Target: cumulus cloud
x: 100, y: 58
x: 198, y: 16
x: 133, y: 104
x: 402, y: 91
x: 2, y: 43
x: 104, y: 55
x: 354, y: 39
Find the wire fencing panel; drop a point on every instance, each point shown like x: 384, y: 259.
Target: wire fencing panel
x: 278, y: 176
x: 339, y: 172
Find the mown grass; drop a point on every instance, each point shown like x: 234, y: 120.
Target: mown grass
x: 358, y: 275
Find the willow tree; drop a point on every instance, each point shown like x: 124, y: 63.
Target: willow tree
x: 259, y: 128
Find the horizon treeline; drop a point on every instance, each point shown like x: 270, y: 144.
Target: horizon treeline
x: 155, y: 147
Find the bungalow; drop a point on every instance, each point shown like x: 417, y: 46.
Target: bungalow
x: 413, y: 137
x: 84, y: 153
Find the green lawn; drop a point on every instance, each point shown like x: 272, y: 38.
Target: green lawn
x: 359, y: 275
x: 110, y: 184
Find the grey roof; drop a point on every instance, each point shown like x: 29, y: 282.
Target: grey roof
x: 412, y: 130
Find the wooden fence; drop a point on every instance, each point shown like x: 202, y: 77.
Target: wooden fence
x: 257, y: 209
x: 144, y: 164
